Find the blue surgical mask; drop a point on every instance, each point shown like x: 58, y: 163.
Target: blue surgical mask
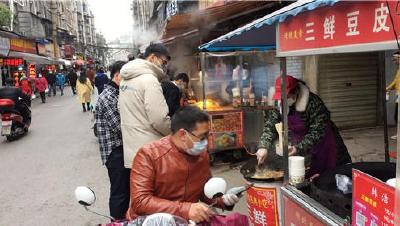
x: 198, y: 147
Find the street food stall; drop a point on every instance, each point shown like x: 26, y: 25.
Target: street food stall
x: 360, y: 196
x: 234, y: 89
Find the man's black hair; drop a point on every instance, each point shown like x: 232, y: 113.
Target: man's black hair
x: 116, y: 67
x: 187, y: 117
x: 182, y: 76
x: 9, y: 82
x: 157, y: 49
x: 131, y: 57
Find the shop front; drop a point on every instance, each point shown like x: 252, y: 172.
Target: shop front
x: 350, y: 39
x: 342, y: 44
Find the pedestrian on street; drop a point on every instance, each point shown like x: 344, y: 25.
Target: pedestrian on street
x: 60, y: 79
x: 26, y: 86
x: 100, y: 80
x: 72, y: 77
x: 144, y: 112
x: 108, y: 123
x: 84, y: 90
x: 173, y: 92
x: 41, y: 86
x: 51, y: 80
x: 395, y: 85
x: 90, y: 73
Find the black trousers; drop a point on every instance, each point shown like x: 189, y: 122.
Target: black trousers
x: 120, y: 183
x: 43, y: 97
x: 396, y: 113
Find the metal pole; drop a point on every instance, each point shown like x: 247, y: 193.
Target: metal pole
x: 203, y: 73
x: 384, y: 114
x: 284, y: 119
x: 241, y: 80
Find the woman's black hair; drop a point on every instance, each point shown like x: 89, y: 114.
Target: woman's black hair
x: 116, y: 67
x: 82, y: 78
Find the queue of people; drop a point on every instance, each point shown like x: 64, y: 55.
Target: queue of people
x: 157, y: 161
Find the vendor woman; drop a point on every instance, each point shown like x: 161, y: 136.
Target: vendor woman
x: 312, y: 134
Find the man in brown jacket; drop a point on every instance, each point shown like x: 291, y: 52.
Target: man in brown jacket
x: 168, y: 175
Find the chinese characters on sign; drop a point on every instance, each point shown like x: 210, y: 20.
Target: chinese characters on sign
x: 373, y: 201
x: 12, y: 62
x: 343, y: 24
x: 262, y: 206
x: 295, y: 215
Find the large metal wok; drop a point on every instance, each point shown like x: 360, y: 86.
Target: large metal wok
x: 273, y: 163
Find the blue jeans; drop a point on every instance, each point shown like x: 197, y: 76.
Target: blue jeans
x: 62, y: 89
x: 52, y: 88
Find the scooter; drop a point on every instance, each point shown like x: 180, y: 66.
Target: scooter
x: 12, y: 125
x: 214, y: 188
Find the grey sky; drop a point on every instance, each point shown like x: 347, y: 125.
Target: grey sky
x: 113, y: 18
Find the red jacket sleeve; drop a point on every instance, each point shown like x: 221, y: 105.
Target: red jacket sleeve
x: 143, y: 198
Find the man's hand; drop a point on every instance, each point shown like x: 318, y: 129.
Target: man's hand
x: 262, y: 154
x: 198, y: 212
x: 230, y: 199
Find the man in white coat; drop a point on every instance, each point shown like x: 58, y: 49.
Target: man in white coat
x: 143, y: 109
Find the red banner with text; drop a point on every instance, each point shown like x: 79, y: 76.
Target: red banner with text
x: 263, y: 207
x: 343, y: 24
x: 373, y: 201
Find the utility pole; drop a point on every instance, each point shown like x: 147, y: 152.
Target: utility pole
x: 54, y: 9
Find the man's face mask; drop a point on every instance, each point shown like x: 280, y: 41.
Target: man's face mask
x: 162, y: 63
x: 198, y: 147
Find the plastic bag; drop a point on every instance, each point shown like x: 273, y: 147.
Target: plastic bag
x: 158, y: 219
x: 344, y: 184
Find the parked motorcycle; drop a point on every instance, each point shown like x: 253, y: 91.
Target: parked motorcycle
x: 12, y: 125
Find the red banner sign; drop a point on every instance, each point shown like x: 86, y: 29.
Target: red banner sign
x: 373, y: 201
x: 263, y: 207
x: 344, y: 24
x: 13, y: 62
x: 298, y: 216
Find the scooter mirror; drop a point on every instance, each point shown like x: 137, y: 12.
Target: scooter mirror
x: 215, y: 187
x: 85, y: 196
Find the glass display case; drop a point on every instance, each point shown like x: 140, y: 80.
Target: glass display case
x: 235, y: 88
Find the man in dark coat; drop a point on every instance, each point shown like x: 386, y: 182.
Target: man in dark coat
x: 72, y: 77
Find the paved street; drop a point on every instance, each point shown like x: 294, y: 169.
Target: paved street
x: 40, y: 171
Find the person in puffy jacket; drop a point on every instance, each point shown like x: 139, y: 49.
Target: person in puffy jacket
x: 143, y: 109
x: 60, y: 80
x: 84, y: 90
x: 26, y: 86
x: 41, y: 86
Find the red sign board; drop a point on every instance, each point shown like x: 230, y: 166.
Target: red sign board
x: 22, y: 45
x: 13, y: 62
x: 262, y: 206
x: 32, y: 71
x: 347, y: 23
x: 298, y: 216
x: 373, y: 201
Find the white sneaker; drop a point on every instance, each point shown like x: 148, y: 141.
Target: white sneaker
x: 393, y: 137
